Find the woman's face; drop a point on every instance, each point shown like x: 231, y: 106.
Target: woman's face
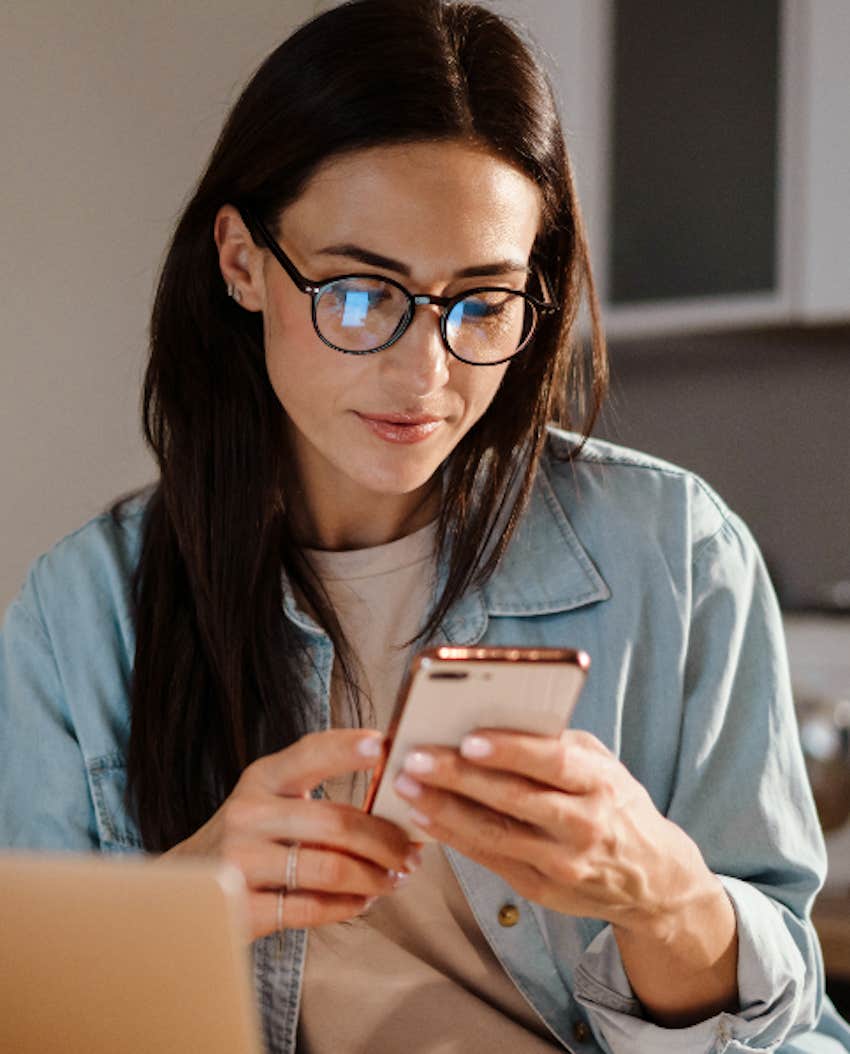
x: 431, y: 211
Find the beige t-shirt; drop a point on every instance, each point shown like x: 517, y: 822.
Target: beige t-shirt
x: 415, y: 973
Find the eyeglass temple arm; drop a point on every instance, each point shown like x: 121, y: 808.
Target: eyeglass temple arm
x: 549, y: 304
x: 304, y: 284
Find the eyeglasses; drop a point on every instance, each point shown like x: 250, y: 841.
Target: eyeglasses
x: 360, y: 314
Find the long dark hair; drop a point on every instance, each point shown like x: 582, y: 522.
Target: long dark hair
x: 220, y: 673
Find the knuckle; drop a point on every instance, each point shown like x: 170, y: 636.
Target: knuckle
x: 571, y: 738
x: 584, y: 832
x: 565, y: 870
x: 565, y: 762
x: 606, y: 793
x: 258, y: 773
x: 588, y: 741
x: 550, y: 806
x: 237, y: 814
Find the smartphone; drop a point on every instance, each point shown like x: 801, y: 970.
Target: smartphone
x: 451, y: 691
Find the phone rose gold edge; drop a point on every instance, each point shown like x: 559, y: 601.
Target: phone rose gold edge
x: 459, y: 653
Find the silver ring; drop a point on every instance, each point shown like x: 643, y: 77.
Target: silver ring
x: 281, y: 895
x: 291, y: 880
x: 289, y: 883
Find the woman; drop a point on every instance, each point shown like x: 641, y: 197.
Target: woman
x: 362, y: 376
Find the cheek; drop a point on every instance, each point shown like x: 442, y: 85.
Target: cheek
x: 298, y: 370
x: 305, y: 383
x: 313, y: 383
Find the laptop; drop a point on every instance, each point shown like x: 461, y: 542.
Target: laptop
x: 125, y: 955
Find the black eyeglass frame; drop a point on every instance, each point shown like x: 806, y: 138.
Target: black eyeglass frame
x: 414, y: 300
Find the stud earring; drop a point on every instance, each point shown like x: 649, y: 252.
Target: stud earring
x: 234, y: 292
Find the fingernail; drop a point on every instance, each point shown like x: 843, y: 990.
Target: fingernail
x: 419, y: 818
x: 398, y: 878
x: 369, y: 903
x: 419, y: 761
x: 475, y: 747
x: 369, y: 748
x: 407, y: 787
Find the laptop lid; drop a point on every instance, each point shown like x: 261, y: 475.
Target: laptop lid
x: 123, y: 954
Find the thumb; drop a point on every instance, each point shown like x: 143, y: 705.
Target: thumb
x: 318, y: 756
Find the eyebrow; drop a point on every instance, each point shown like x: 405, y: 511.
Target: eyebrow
x: 366, y: 256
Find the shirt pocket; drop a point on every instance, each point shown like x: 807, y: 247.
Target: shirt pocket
x: 107, y: 775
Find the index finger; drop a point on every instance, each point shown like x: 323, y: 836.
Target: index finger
x: 575, y: 762
x: 315, y: 757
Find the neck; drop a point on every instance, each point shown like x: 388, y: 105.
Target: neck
x: 337, y: 525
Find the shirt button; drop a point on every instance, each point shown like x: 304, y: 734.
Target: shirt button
x: 508, y: 915
x: 581, y: 1031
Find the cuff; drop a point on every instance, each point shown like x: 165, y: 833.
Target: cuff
x: 774, y: 991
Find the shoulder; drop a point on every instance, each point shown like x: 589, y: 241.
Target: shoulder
x: 67, y: 647
x: 86, y: 576
x: 620, y: 491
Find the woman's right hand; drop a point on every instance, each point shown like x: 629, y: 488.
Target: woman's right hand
x: 346, y: 857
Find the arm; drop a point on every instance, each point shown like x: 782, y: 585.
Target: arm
x: 44, y: 795
x: 683, y: 966
x: 567, y: 826
x: 741, y: 792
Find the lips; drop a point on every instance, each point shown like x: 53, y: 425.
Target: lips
x: 401, y: 428
x: 401, y: 419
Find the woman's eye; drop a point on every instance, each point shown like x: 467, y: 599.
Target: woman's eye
x: 482, y: 308
x: 371, y: 296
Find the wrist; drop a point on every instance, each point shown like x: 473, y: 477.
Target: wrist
x: 683, y: 964
x: 684, y: 894
x: 689, y: 927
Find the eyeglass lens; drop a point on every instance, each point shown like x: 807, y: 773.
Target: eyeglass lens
x: 361, y: 314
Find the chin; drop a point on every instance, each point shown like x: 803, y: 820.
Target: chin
x: 397, y: 480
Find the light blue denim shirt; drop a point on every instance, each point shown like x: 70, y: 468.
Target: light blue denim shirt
x: 632, y: 559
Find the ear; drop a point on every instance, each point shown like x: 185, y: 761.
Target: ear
x: 239, y: 259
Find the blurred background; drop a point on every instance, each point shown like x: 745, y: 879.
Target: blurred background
x: 712, y: 156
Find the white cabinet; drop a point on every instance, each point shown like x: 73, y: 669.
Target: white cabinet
x: 819, y: 160
x: 808, y: 240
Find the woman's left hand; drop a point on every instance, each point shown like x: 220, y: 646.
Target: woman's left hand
x: 563, y: 822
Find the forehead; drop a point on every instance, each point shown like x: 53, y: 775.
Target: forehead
x: 448, y: 201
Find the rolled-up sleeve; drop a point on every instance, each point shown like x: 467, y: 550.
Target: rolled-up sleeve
x: 742, y: 793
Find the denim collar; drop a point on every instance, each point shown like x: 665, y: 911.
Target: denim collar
x: 544, y: 570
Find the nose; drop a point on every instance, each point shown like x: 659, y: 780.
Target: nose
x: 419, y: 361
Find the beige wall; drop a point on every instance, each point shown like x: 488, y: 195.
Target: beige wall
x: 108, y: 110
